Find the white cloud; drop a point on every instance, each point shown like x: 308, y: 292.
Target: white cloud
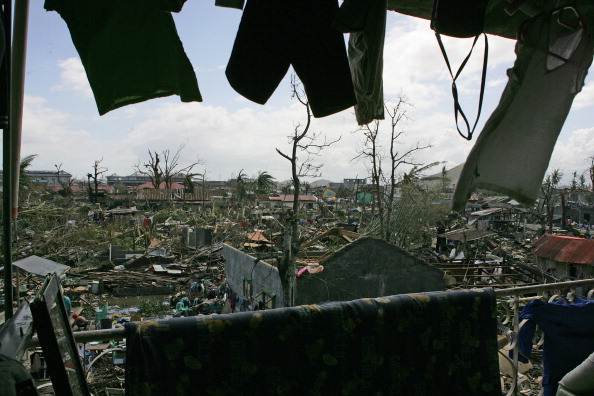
x: 73, y: 77
x: 573, y: 153
x: 414, y: 64
x: 585, y: 98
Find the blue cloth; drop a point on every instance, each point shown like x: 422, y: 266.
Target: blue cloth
x: 569, y: 337
x: 410, y: 344
x: 67, y: 304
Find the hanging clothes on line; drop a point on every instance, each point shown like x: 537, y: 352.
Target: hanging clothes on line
x: 230, y: 3
x: 366, y: 23
x: 513, y: 151
x: 130, y: 50
x: 274, y: 35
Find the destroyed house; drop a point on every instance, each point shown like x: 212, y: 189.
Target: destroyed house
x: 565, y: 257
x: 286, y: 200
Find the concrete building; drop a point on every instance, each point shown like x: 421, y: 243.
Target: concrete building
x: 367, y: 268
x: 136, y: 179
x: 46, y: 178
x: 253, y: 279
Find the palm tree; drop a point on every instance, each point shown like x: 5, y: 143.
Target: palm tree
x: 24, y: 179
x: 416, y: 173
x: 241, y: 185
x: 264, y: 182
x: 189, y: 184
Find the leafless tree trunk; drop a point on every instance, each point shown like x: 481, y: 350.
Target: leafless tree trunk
x: 96, y: 176
x: 397, y: 114
x: 300, y: 142
x: 384, y: 196
x: 371, y: 151
x: 66, y: 186
x: 549, y: 198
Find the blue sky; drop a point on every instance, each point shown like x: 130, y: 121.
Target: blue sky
x: 229, y: 133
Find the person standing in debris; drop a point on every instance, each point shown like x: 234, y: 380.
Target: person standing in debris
x: 80, y: 322
x: 68, y: 305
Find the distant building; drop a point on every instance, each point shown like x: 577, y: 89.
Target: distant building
x: 353, y: 184
x: 215, y: 184
x: 46, y: 178
x: 136, y: 179
x: 282, y: 200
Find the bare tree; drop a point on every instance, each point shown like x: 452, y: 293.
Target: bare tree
x: 372, y: 151
x: 549, y: 195
x: 152, y: 169
x: 307, y: 144
x: 165, y: 167
x: 98, y: 170
x: 66, y: 185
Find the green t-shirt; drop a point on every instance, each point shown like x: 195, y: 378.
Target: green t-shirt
x: 130, y: 50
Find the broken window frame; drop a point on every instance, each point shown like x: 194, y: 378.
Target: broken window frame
x: 51, y: 322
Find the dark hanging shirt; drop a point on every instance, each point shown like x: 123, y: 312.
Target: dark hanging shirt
x: 130, y: 50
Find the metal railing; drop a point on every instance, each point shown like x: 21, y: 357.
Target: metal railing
x: 509, y: 303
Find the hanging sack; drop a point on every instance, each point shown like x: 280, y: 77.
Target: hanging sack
x: 459, y: 18
x: 463, y: 19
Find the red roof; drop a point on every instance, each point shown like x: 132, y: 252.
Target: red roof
x: 565, y: 249
x: 162, y: 186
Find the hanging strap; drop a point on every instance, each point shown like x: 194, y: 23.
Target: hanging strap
x: 457, y: 107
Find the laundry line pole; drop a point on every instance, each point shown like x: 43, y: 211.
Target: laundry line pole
x: 13, y: 84
x: 17, y: 94
x: 6, y: 160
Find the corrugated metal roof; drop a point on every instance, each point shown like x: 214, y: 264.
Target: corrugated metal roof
x: 40, y: 266
x: 466, y: 235
x: 485, y: 212
x: 565, y: 249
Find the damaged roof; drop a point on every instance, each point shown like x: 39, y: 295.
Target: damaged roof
x: 565, y: 249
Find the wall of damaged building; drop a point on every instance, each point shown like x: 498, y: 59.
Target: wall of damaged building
x: 249, y: 277
x: 564, y: 271
x: 367, y: 268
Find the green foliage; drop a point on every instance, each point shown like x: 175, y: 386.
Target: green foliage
x: 173, y: 213
x: 415, y: 214
x: 152, y: 309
